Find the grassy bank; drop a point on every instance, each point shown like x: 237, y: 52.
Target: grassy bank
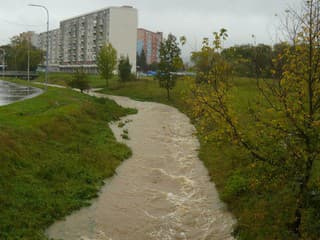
x: 95, y: 81
x: 262, y: 202
x: 56, y: 150
x: 263, y: 205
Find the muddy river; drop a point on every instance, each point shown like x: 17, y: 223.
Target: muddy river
x: 162, y: 192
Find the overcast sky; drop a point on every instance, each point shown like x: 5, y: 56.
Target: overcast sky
x: 194, y: 19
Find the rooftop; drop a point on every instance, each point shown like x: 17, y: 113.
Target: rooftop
x: 96, y: 11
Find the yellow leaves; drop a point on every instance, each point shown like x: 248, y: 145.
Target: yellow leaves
x: 316, y: 123
x: 270, y: 110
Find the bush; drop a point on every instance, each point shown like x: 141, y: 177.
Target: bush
x: 79, y: 80
x: 124, y: 68
x: 236, y: 184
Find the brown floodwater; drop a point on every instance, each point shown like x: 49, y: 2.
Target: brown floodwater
x: 162, y: 192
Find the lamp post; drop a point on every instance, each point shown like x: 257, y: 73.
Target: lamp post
x: 47, y: 52
x: 3, y: 61
x: 29, y: 59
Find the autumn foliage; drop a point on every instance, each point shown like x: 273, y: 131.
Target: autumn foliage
x: 278, y: 130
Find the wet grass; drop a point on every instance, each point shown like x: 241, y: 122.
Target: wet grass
x: 262, y: 211
x: 95, y: 81
x: 55, y: 152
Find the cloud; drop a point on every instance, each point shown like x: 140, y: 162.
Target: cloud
x: 194, y: 19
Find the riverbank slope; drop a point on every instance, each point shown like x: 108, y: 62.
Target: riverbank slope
x: 55, y: 152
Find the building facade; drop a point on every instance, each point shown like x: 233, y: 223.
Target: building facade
x: 54, y: 47
x: 149, y: 42
x: 79, y: 39
x: 82, y: 37
x: 29, y: 36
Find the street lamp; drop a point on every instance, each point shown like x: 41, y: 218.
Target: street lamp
x: 29, y: 40
x: 3, y: 61
x: 47, y: 54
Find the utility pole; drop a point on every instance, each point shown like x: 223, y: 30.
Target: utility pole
x: 29, y: 58
x: 3, y: 61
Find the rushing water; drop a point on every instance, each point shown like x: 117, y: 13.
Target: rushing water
x: 162, y: 192
x: 11, y: 92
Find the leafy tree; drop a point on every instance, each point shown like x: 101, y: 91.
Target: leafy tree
x: 153, y: 66
x: 249, y: 60
x: 107, y: 61
x: 284, y: 132
x: 170, y: 62
x: 80, y: 80
x: 142, y: 61
x: 279, y: 58
x: 209, y: 60
x: 17, y: 55
x: 124, y: 69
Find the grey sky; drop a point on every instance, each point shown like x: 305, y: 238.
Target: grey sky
x: 193, y: 18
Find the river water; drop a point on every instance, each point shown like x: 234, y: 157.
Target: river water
x: 11, y: 92
x: 162, y: 192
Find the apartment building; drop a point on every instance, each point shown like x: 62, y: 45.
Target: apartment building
x: 54, y: 47
x: 149, y: 42
x: 29, y: 36
x: 82, y: 37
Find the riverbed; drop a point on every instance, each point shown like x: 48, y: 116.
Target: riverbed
x: 162, y: 192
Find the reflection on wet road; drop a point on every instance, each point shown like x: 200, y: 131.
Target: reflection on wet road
x: 11, y: 92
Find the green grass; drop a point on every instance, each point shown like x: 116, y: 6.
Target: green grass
x: 149, y: 90
x: 262, y: 211
x: 262, y: 204
x: 56, y: 151
x: 95, y: 81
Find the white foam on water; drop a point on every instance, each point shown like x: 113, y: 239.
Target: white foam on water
x: 162, y: 192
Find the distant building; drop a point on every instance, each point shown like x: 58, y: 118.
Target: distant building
x: 78, y: 40
x: 54, y: 47
x: 29, y: 36
x: 83, y: 36
x: 150, y: 43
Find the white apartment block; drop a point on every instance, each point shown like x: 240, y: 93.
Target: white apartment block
x: 54, y: 47
x: 78, y: 40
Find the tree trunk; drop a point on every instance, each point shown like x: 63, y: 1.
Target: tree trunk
x: 303, y: 191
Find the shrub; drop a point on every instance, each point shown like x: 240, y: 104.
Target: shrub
x: 79, y: 80
x: 236, y: 184
x: 124, y: 69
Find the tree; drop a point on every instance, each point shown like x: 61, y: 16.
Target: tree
x: 17, y: 55
x: 247, y: 59
x: 124, y: 69
x: 209, y: 60
x: 142, y: 61
x: 107, y: 61
x: 79, y: 80
x: 284, y: 130
x: 170, y: 62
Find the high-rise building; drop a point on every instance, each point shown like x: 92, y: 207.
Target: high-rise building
x: 54, y: 47
x: 82, y: 37
x: 78, y: 40
x: 29, y: 36
x: 149, y: 42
